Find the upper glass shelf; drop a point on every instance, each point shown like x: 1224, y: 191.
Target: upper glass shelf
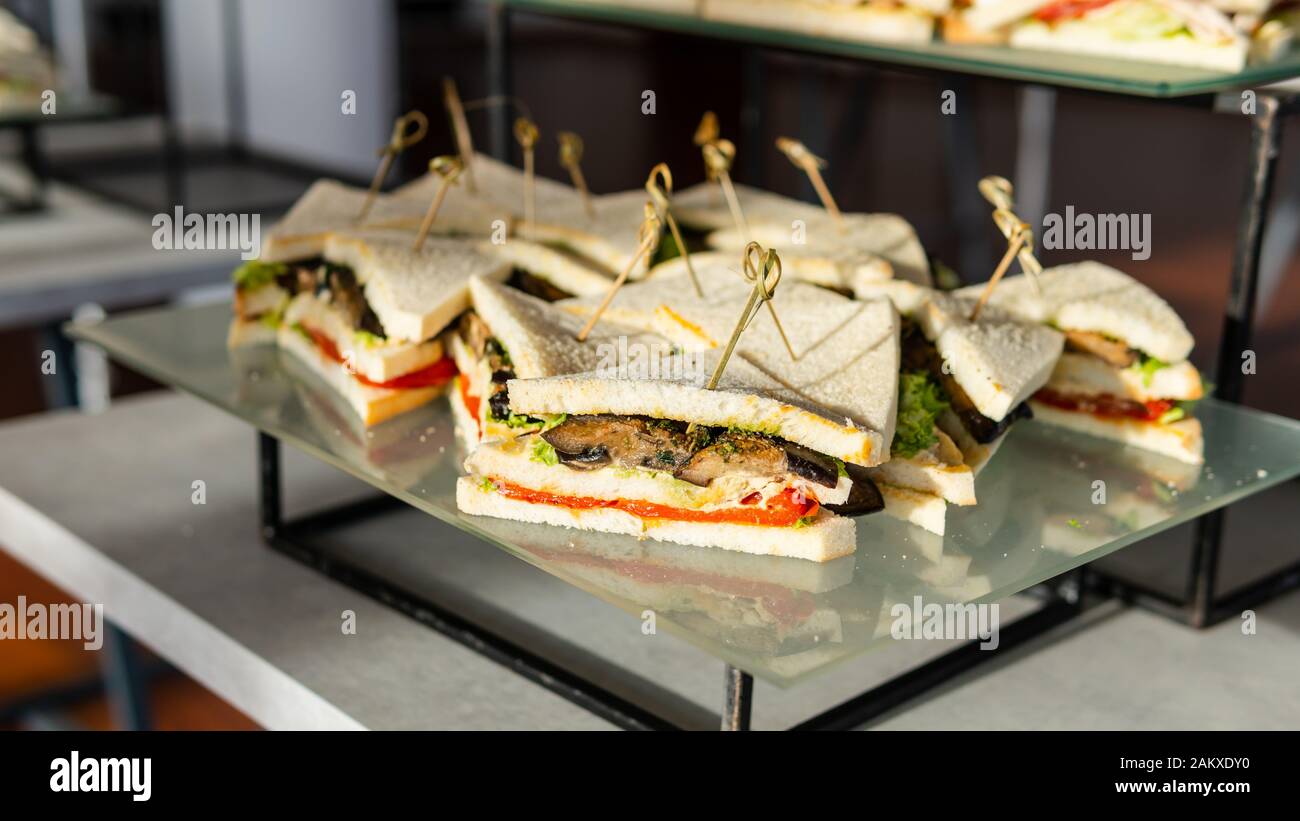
x: 69, y: 107
x: 780, y: 619
x: 1042, y: 67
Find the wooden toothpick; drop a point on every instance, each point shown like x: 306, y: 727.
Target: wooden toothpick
x: 812, y: 165
x: 460, y: 130
x: 448, y: 168
x: 659, y: 185
x: 759, y: 261
x: 707, y: 132
x: 526, y: 134
x: 400, y: 140
x: 1020, y: 238
x: 718, y: 156
x: 571, y: 150
x: 763, y: 268
x: 999, y: 193
x: 648, y: 235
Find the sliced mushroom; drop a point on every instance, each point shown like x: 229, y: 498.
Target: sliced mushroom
x: 1110, y: 351
x: 499, y: 403
x: 534, y: 285
x: 864, y: 496
x: 750, y: 454
x: 811, y: 465
x: 474, y: 332
x: 348, y: 297
x: 983, y: 429
x: 743, y: 454
x: 627, y: 441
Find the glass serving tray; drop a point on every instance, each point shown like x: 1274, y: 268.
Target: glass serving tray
x: 1023, y: 65
x: 780, y: 619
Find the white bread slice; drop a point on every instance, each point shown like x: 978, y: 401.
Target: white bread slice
x: 329, y: 205
x: 371, y: 405
x: 925, y: 510
x: 610, y: 238
x: 246, y: 333
x: 251, y: 303
x: 1089, y: 296
x: 999, y: 362
x: 847, y: 349
x: 377, y: 361
x: 925, y: 473
x: 746, y: 398
x: 663, y: 302
x: 1080, y: 373
x: 868, y: 23
x: 828, y: 537
x: 871, y: 248
x: 541, y: 339
x: 1183, y: 440
x: 990, y: 15
x: 415, y: 294
x: 498, y: 194
x: 702, y: 208
x: 1083, y: 36
x: 908, y: 297
x: 563, y: 270
x: 886, y: 237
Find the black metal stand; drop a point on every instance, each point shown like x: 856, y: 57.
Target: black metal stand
x: 38, y: 169
x: 1201, y: 606
x: 299, y: 539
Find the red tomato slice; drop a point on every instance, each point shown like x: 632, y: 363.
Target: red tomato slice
x: 1068, y: 9
x: 1106, y: 406
x: 427, y: 377
x: 470, y: 400
x: 782, y: 510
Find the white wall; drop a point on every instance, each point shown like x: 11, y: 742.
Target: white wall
x: 70, y: 43
x: 298, y: 58
x: 196, y: 62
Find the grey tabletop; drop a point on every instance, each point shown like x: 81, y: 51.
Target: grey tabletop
x: 102, y: 506
x: 83, y: 249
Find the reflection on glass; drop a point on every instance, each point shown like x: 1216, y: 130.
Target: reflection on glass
x: 1038, y: 515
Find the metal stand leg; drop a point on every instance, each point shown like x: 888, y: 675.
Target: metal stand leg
x: 124, y: 681
x: 1238, y: 322
x: 739, y: 699
x: 34, y: 159
x: 268, y: 470
x: 498, y: 76
x: 961, y: 156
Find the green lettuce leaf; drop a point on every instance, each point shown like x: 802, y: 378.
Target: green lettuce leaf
x: 1147, y: 366
x: 920, y: 401
x: 255, y: 273
x: 544, y: 453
